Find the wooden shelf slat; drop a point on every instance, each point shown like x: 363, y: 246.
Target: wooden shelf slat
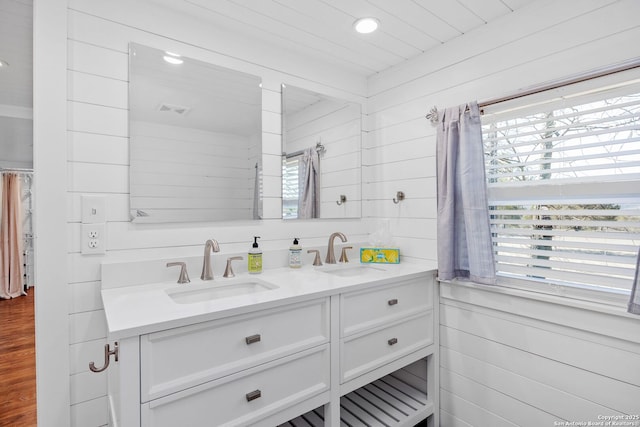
x: 386, y: 402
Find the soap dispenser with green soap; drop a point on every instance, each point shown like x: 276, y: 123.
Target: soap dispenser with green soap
x: 255, y: 257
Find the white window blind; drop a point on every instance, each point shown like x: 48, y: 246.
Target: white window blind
x: 290, y: 186
x: 563, y: 171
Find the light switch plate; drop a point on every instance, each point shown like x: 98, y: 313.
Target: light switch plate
x: 93, y: 239
x: 93, y: 209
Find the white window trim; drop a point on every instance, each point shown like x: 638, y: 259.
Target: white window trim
x: 572, y: 294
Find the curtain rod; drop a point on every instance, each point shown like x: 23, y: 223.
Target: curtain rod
x: 20, y: 170
x: 590, y: 75
x: 593, y: 74
x: 319, y: 149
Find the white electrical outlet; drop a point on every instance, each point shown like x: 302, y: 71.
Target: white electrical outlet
x: 93, y: 240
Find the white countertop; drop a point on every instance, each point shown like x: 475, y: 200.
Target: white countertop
x: 146, y: 308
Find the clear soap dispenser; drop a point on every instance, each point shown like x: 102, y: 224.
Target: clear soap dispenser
x: 295, y: 254
x: 255, y: 257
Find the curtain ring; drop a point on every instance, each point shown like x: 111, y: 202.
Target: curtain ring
x: 343, y: 199
x: 399, y: 197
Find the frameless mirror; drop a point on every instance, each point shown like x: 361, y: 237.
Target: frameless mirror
x: 321, y: 155
x: 195, y: 139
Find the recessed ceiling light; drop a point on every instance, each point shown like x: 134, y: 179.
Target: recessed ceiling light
x: 172, y: 58
x: 3, y: 63
x: 366, y: 25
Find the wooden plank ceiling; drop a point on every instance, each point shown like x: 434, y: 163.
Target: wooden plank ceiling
x: 324, y: 28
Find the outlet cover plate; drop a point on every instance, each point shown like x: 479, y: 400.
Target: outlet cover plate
x: 93, y: 239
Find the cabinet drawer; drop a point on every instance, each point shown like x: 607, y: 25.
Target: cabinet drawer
x: 185, y: 357
x: 244, y: 398
x: 375, y: 307
x: 364, y: 352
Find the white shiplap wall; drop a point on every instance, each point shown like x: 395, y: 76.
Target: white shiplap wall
x: 97, y: 154
x: 506, y: 359
x: 190, y: 174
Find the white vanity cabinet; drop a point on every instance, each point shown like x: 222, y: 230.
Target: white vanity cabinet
x: 386, y: 360
x: 241, y: 370
x: 380, y: 325
x: 324, y: 352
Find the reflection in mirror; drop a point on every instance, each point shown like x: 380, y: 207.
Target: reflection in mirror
x: 321, y: 159
x: 195, y: 139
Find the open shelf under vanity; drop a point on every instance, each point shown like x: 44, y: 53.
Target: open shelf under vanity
x: 397, y: 399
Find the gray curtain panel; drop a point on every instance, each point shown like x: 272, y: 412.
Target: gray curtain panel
x: 634, y: 302
x: 464, y: 237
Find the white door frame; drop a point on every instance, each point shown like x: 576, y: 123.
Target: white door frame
x: 50, y: 216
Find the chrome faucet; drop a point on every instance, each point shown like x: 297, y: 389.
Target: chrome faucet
x: 211, y: 245
x: 331, y: 257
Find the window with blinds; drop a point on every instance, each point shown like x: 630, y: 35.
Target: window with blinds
x: 290, y: 186
x: 563, y: 171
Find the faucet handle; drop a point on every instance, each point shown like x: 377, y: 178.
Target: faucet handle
x: 343, y: 254
x: 228, y: 271
x: 184, y: 276
x: 316, y: 260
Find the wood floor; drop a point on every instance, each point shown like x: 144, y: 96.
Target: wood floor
x: 17, y: 362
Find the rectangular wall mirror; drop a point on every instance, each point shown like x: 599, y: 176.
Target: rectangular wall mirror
x: 195, y: 139
x: 322, y: 139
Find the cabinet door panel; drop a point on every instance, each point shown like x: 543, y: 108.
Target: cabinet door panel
x: 191, y: 355
x: 246, y: 397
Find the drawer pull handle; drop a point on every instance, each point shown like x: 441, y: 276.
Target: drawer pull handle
x: 392, y: 301
x: 392, y: 341
x: 253, y: 395
x: 252, y: 339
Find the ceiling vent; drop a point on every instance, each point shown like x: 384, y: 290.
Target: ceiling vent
x: 172, y: 108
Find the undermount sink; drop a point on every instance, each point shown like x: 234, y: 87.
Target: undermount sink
x: 189, y: 294
x: 353, y: 270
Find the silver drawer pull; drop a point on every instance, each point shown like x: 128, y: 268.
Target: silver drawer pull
x: 253, y: 395
x: 392, y: 301
x: 392, y: 341
x: 252, y: 339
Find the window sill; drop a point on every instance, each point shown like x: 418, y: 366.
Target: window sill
x: 610, y: 303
